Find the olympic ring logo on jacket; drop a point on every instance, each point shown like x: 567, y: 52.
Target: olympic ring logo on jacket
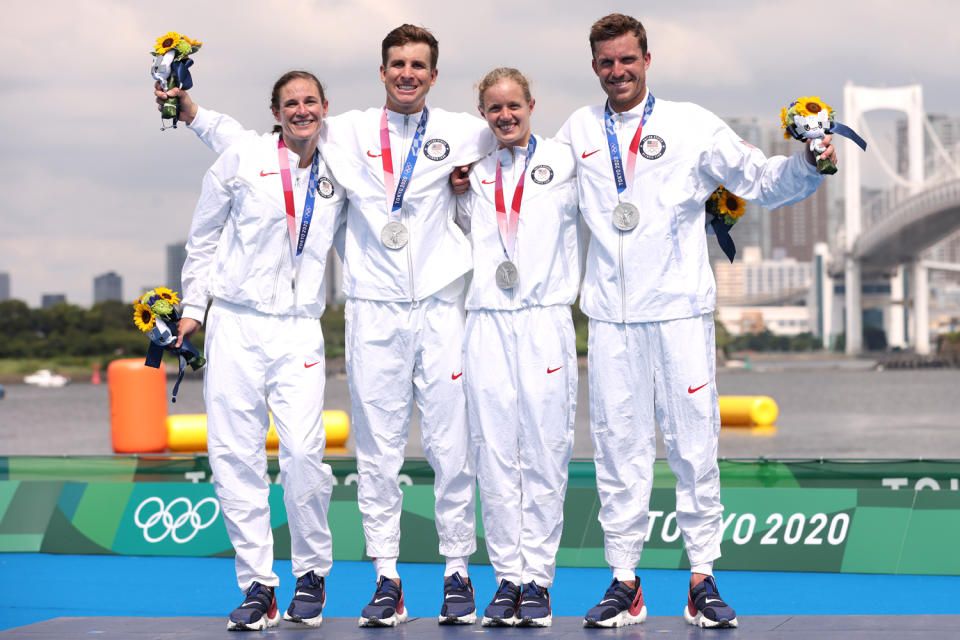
x: 172, y: 525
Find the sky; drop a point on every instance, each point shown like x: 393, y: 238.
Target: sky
x: 90, y: 184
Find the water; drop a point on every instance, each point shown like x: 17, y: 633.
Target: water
x: 829, y: 409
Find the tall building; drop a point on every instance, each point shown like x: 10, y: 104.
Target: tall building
x: 48, y: 300
x: 107, y: 286
x: 176, y: 255
x: 752, y: 230
x: 794, y: 229
x: 4, y: 286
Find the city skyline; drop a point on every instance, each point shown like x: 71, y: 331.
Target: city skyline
x: 130, y: 190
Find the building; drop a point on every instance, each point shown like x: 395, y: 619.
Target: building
x: 107, y: 286
x: 753, y: 280
x: 4, y: 286
x: 48, y: 300
x: 782, y: 321
x: 751, y: 230
x: 176, y: 255
x: 796, y: 228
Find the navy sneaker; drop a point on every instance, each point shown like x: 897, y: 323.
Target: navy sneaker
x: 535, y: 606
x: 458, y: 604
x: 386, y: 608
x: 308, y: 600
x: 258, y: 611
x: 502, y: 610
x: 705, y: 608
x: 621, y: 605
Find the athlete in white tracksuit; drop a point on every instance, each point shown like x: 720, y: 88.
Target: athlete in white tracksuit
x: 520, y: 360
x: 650, y: 295
x: 404, y: 313
x: 264, y: 349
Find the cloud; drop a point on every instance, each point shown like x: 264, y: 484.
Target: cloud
x: 90, y: 184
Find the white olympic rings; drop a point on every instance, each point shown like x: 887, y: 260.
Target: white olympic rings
x: 172, y: 525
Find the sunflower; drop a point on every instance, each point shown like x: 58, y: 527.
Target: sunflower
x: 785, y: 122
x: 811, y: 106
x: 168, y: 295
x: 730, y: 205
x: 143, y: 317
x: 193, y: 43
x: 166, y: 42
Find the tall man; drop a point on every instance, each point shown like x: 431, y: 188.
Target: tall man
x: 645, y: 167
x: 404, y: 266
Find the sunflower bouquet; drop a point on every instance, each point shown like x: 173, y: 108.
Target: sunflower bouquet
x: 155, y: 313
x: 171, y: 67
x: 809, y: 119
x: 726, y: 208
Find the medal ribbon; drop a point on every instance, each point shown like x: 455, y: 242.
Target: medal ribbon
x: 296, y: 243
x: 615, y: 160
x: 297, y: 240
x: 508, y: 226
x: 395, y: 197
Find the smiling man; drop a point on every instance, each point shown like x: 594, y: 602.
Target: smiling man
x: 645, y: 167
x: 403, y: 276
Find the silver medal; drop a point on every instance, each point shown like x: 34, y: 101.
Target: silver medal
x: 507, y: 275
x: 625, y: 216
x: 394, y: 235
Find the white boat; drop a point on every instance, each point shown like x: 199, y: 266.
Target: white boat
x: 46, y: 378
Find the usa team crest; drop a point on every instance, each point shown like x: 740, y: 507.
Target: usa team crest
x: 541, y: 174
x: 652, y: 147
x: 436, y: 149
x: 325, y: 187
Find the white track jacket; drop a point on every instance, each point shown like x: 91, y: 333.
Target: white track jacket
x: 660, y: 269
x: 547, y: 252
x: 239, y: 248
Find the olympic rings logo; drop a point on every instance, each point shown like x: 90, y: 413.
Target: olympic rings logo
x: 164, y: 515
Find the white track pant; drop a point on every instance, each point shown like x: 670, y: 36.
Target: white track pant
x: 520, y: 369
x: 258, y: 362
x: 641, y: 375
x: 399, y: 353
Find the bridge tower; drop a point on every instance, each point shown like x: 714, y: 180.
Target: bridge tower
x: 856, y: 102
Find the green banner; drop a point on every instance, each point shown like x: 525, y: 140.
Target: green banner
x: 779, y: 528
x: 821, y: 474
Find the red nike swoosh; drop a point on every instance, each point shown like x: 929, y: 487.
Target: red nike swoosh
x: 587, y: 155
x: 374, y: 156
x: 264, y: 175
x: 692, y: 390
x: 549, y: 370
x: 454, y: 376
x: 488, y: 181
x: 307, y: 366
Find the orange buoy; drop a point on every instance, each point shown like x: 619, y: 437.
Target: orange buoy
x: 138, y: 406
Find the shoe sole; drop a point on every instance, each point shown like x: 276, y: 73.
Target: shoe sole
x: 309, y: 622
x: 452, y: 620
x: 622, y: 619
x: 703, y: 622
x: 392, y: 621
x: 528, y: 621
x: 261, y: 624
x: 499, y: 622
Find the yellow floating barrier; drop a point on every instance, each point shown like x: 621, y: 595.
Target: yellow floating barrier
x: 188, y: 432
x: 748, y: 411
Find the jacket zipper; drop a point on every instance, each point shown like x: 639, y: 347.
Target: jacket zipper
x: 623, y: 276
x: 406, y: 218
